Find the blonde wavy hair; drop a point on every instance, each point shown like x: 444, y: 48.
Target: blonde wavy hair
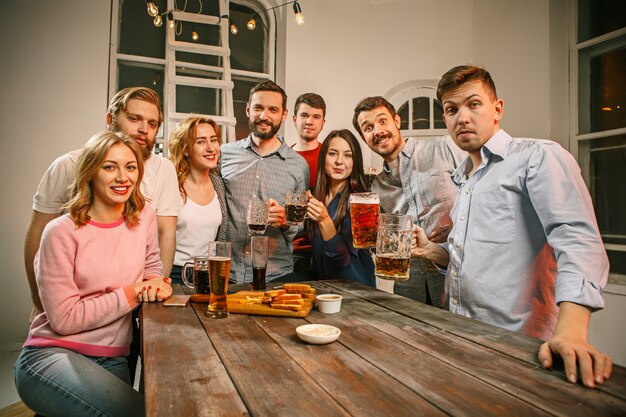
x: 183, y: 138
x: 88, y: 165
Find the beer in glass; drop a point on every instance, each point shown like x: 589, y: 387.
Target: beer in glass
x: 364, y: 211
x: 219, y: 273
x: 200, y: 276
x: 295, y: 206
x: 393, y: 247
x: 370, y: 175
x: 259, y: 248
x: 257, y: 216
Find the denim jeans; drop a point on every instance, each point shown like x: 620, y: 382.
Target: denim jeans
x: 59, y: 382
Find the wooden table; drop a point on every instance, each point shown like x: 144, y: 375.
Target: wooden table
x: 395, y: 357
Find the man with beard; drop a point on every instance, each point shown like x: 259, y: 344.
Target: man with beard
x: 262, y: 166
x: 525, y: 252
x: 308, y: 118
x: 415, y: 180
x: 135, y: 112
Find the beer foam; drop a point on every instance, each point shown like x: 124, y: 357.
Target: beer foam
x: 368, y: 198
x: 219, y: 258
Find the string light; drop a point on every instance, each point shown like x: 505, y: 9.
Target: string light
x: 170, y: 20
x: 233, y: 29
x: 195, y: 36
x: 251, y: 24
x: 153, y: 9
x: 298, y: 11
x: 158, y: 21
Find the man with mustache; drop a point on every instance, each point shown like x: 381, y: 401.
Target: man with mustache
x: 525, y: 252
x: 415, y: 180
x: 136, y: 112
x: 262, y: 165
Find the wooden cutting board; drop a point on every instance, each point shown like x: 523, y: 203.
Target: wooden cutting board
x: 237, y: 305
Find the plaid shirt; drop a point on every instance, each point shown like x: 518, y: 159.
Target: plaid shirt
x: 246, y: 173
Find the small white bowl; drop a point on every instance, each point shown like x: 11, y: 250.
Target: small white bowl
x: 329, y: 303
x: 318, y: 334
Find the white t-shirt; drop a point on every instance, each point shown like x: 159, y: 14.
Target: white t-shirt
x: 159, y: 185
x: 196, y: 226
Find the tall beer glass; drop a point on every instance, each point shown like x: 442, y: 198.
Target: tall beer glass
x: 364, y: 211
x: 219, y: 273
x: 393, y: 247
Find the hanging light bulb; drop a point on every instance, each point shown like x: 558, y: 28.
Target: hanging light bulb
x: 251, y: 24
x: 158, y: 22
x: 170, y: 20
x: 298, y: 11
x: 233, y: 29
x: 153, y: 9
x: 194, y: 35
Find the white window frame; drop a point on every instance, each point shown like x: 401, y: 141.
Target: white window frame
x: 579, y: 143
x: 170, y: 117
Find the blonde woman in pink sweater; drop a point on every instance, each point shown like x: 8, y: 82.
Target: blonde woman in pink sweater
x: 95, y: 264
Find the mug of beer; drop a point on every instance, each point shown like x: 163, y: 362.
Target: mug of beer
x: 364, y: 211
x: 393, y: 247
x: 200, y: 277
x: 295, y: 206
x: 370, y: 176
x: 257, y: 216
x: 219, y: 273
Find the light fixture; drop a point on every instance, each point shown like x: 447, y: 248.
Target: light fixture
x: 195, y: 36
x: 251, y: 24
x: 153, y: 9
x: 170, y: 20
x: 298, y: 11
x: 233, y: 29
x: 158, y: 21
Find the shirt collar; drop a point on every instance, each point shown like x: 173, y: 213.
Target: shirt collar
x: 497, y: 145
x: 282, y: 150
x: 407, y: 150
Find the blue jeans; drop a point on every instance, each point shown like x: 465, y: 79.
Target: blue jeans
x: 59, y: 382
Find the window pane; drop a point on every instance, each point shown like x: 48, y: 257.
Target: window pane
x: 241, y: 92
x: 607, y: 159
x: 421, y: 113
x: 438, y: 115
x: 597, y: 17
x: 204, y: 59
x: 132, y: 74
x: 247, y: 47
x: 138, y: 36
x: 206, y: 34
x: 403, y: 112
x: 197, y: 100
x: 608, y: 94
x: 617, y: 260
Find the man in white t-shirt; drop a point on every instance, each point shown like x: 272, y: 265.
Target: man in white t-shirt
x: 136, y: 112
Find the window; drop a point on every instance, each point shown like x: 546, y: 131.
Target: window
x: 199, y: 66
x: 420, y: 112
x: 600, y: 132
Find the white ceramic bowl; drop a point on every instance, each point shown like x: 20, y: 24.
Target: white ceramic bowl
x: 329, y: 303
x: 318, y: 334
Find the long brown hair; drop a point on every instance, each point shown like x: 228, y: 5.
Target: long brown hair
x: 183, y: 138
x: 89, y: 163
x: 355, y: 183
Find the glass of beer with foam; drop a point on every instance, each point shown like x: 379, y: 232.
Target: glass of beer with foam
x: 393, y: 247
x: 219, y: 273
x: 364, y: 211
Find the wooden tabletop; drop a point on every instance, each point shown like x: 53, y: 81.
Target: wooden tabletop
x: 395, y: 357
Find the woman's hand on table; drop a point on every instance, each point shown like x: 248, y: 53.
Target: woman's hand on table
x: 154, y: 289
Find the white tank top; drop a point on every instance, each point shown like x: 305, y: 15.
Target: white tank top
x: 196, y: 226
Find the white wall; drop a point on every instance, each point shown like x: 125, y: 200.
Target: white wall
x: 54, y: 94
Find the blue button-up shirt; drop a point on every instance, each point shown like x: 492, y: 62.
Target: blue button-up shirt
x: 246, y: 173
x: 524, y: 239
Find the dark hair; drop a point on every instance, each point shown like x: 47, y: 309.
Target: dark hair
x: 314, y: 100
x: 355, y: 184
x: 371, y: 103
x: 462, y: 74
x: 269, y: 85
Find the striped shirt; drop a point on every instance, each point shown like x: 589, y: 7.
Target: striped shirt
x: 246, y: 173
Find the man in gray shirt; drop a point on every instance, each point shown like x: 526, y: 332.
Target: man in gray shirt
x: 264, y: 166
x: 415, y: 181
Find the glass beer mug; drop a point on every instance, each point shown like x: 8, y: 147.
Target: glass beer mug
x: 393, y: 247
x: 200, y: 277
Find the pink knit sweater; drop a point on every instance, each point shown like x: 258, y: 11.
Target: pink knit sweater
x: 85, y: 277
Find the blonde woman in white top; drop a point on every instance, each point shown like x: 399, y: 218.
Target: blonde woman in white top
x: 195, y: 151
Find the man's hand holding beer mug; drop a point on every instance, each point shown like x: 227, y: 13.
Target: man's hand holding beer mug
x: 422, y: 247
